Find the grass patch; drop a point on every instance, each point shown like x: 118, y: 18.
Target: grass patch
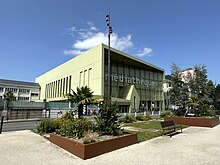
x: 149, y: 129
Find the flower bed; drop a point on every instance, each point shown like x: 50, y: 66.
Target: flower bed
x: 85, y: 151
x: 194, y: 121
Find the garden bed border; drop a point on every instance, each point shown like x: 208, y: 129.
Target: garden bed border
x: 194, y: 121
x: 85, y: 151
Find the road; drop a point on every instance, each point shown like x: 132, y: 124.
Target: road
x: 19, y: 125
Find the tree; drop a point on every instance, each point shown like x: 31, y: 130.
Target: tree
x: 210, y: 88
x: 179, y: 92
x: 9, y: 96
x: 82, y: 97
x: 216, y: 97
x: 198, y: 82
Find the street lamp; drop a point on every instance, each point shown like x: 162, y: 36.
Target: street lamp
x: 109, y: 57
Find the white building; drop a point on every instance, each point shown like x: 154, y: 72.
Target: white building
x: 23, y: 91
x: 187, y: 74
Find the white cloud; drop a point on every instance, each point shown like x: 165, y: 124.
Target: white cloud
x: 89, y: 37
x: 72, y: 52
x: 90, y: 42
x: 145, y: 52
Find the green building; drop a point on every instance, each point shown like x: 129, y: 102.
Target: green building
x: 135, y: 84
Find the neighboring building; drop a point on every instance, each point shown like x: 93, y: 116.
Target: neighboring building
x: 135, y: 84
x: 23, y: 91
x: 187, y: 74
x: 167, y: 86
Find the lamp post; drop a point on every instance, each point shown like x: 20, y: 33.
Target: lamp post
x: 109, y: 56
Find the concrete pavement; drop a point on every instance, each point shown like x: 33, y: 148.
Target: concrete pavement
x: 196, y: 146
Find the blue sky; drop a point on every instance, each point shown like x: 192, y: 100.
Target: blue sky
x: 38, y: 35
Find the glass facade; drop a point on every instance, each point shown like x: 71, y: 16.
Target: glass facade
x: 148, y: 81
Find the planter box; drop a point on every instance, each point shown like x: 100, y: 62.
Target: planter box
x: 194, y: 121
x: 85, y: 151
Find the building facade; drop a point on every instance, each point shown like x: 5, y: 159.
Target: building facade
x: 135, y: 84
x: 167, y: 86
x: 23, y: 91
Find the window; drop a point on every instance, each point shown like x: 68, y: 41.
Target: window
x: 35, y: 94
x: 1, y: 89
x: 89, y: 75
x: 63, y: 85
x: 24, y: 90
x: 70, y: 77
x: 55, y: 89
x: 66, y: 84
x: 23, y: 98
x: 46, y: 91
x: 80, y: 79
x: 58, y: 89
x: 13, y: 90
x: 84, y: 78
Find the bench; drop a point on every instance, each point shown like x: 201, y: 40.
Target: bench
x: 170, y: 126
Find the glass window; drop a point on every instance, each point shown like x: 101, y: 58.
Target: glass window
x: 34, y: 94
x: 1, y: 89
x: 120, y: 70
x: 13, y: 90
x: 132, y: 71
x: 126, y: 70
x: 151, y: 75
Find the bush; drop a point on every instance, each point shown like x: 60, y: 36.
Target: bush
x: 139, y: 117
x: 143, y: 118
x: 165, y: 114
x: 72, y: 127
x: 68, y: 115
x: 48, y: 125
x: 83, y: 126
x: 107, y: 121
x: 179, y: 112
x: 205, y: 111
x: 90, y: 137
x: 128, y: 119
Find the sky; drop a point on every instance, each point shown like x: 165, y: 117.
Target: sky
x: 38, y: 35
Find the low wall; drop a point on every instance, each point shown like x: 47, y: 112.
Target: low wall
x: 85, y: 151
x: 194, y: 121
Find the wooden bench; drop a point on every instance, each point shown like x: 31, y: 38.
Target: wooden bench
x: 169, y: 126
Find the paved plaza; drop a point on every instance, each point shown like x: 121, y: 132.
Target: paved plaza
x: 196, y: 146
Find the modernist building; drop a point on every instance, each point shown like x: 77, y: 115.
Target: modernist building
x: 23, y: 91
x: 135, y: 84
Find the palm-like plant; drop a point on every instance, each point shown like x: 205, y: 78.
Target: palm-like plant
x: 82, y: 97
x: 9, y: 96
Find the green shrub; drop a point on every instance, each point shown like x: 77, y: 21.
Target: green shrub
x: 72, y: 127
x: 143, y: 118
x: 107, y: 121
x: 48, y: 125
x: 205, y: 110
x: 67, y: 128
x: 68, y: 115
x: 90, y: 137
x: 128, y: 119
x: 83, y: 126
x: 164, y: 114
x: 179, y: 112
x: 139, y: 117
